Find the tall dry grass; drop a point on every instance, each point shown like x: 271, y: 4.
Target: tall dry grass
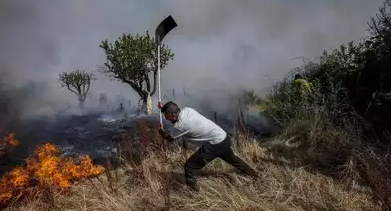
x: 323, y: 135
x: 157, y: 183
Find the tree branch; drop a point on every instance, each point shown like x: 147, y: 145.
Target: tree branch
x: 85, y: 90
x: 69, y: 88
x: 134, y: 86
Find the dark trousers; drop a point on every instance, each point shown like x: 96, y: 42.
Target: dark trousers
x: 209, y: 152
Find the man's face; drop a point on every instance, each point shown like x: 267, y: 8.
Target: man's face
x: 171, y: 117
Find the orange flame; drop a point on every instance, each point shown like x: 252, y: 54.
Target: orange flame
x: 48, y: 168
x: 12, y: 140
x: 8, y: 143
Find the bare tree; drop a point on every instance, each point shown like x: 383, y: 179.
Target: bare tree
x: 78, y: 82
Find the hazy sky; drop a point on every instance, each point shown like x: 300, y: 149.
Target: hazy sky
x: 217, y: 44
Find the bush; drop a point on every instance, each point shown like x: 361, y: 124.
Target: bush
x: 329, y: 131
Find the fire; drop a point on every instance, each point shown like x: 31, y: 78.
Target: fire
x: 8, y: 143
x: 46, y: 168
x: 10, y: 139
x: 20, y: 177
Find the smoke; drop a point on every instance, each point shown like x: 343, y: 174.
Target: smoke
x: 219, y: 45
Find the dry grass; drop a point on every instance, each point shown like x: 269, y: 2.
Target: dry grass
x: 158, y: 184
x: 43, y: 175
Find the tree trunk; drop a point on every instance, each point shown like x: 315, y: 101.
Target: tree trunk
x: 81, y: 106
x: 143, y: 103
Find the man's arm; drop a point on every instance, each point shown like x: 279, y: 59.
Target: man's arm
x: 167, y: 134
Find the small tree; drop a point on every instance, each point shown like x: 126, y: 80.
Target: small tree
x: 132, y: 59
x: 78, y: 82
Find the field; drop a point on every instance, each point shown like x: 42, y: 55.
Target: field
x: 158, y: 184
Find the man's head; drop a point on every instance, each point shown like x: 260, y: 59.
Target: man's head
x: 298, y: 76
x: 171, y: 111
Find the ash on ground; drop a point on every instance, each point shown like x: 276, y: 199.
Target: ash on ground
x: 96, y: 134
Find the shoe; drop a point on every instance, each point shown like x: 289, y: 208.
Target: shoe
x: 194, y: 188
x: 253, y: 174
x: 192, y: 184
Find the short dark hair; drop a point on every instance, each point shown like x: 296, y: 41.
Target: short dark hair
x: 170, y: 108
x: 298, y: 76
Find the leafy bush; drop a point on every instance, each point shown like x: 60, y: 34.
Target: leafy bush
x: 344, y: 79
x: 332, y: 130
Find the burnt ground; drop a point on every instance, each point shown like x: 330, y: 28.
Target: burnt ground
x: 94, y: 134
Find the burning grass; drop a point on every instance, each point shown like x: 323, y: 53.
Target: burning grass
x: 7, y: 144
x: 43, y: 174
x: 157, y: 183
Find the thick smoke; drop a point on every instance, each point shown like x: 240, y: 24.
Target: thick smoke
x: 219, y: 45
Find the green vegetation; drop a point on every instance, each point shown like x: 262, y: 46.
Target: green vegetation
x: 78, y: 82
x: 343, y: 124
x: 133, y: 59
x: 331, y: 152
x: 346, y: 78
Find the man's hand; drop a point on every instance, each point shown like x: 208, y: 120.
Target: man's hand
x: 162, y: 132
x: 166, y: 135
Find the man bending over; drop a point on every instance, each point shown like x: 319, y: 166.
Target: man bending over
x: 216, y: 142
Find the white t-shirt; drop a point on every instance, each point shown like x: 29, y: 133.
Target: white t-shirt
x: 195, y: 127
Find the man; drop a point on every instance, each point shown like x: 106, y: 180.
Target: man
x: 301, y: 89
x: 195, y: 127
x: 302, y: 85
